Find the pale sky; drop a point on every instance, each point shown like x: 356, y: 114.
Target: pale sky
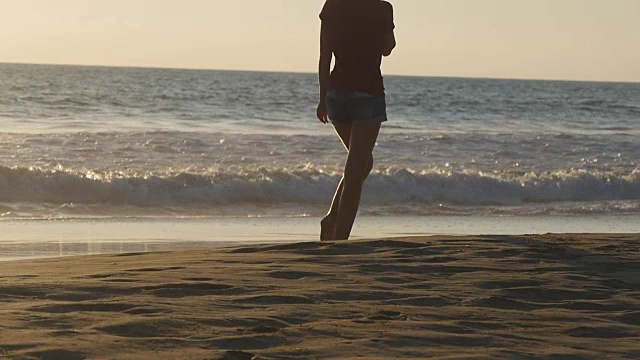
x: 531, y: 39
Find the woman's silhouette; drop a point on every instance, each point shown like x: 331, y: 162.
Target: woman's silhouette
x: 358, y: 33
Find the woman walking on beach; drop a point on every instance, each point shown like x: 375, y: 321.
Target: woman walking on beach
x: 358, y: 33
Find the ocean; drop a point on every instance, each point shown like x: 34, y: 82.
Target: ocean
x: 98, y: 142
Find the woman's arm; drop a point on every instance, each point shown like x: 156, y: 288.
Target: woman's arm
x: 324, y: 69
x: 389, y: 37
x: 389, y: 43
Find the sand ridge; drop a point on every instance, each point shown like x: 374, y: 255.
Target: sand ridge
x: 550, y: 296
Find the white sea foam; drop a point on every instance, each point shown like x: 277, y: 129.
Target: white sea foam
x: 405, y: 191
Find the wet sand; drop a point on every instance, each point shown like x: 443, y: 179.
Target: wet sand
x: 548, y: 296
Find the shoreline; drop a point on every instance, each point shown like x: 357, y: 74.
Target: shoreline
x: 51, y: 239
x: 563, y: 295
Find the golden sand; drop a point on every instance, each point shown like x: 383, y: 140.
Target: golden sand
x: 561, y: 296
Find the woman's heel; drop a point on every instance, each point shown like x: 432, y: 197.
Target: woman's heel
x: 327, y: 228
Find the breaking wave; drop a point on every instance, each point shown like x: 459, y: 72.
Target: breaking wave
x: 310, y: 187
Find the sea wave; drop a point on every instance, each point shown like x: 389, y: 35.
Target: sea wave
x: 277, y: 186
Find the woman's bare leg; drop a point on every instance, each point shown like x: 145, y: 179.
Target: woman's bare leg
x: 328, y: 222
x: 359, y: 162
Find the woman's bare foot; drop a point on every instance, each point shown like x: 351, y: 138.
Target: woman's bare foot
x: 327, y: 228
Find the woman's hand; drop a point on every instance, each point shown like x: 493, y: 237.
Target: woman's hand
x: 324, y: 69
x: 322, y: 112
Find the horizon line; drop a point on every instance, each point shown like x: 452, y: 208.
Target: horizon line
x: 307, y: 72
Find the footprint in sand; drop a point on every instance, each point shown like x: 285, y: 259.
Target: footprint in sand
x: 56, y: 354
x: 293, y: 275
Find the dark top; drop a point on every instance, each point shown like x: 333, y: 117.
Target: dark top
x: 356, y: 30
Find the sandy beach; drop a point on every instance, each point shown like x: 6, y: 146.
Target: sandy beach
x: 548, y: 296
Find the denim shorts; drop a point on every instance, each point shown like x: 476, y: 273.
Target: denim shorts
x: 348, y: 107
